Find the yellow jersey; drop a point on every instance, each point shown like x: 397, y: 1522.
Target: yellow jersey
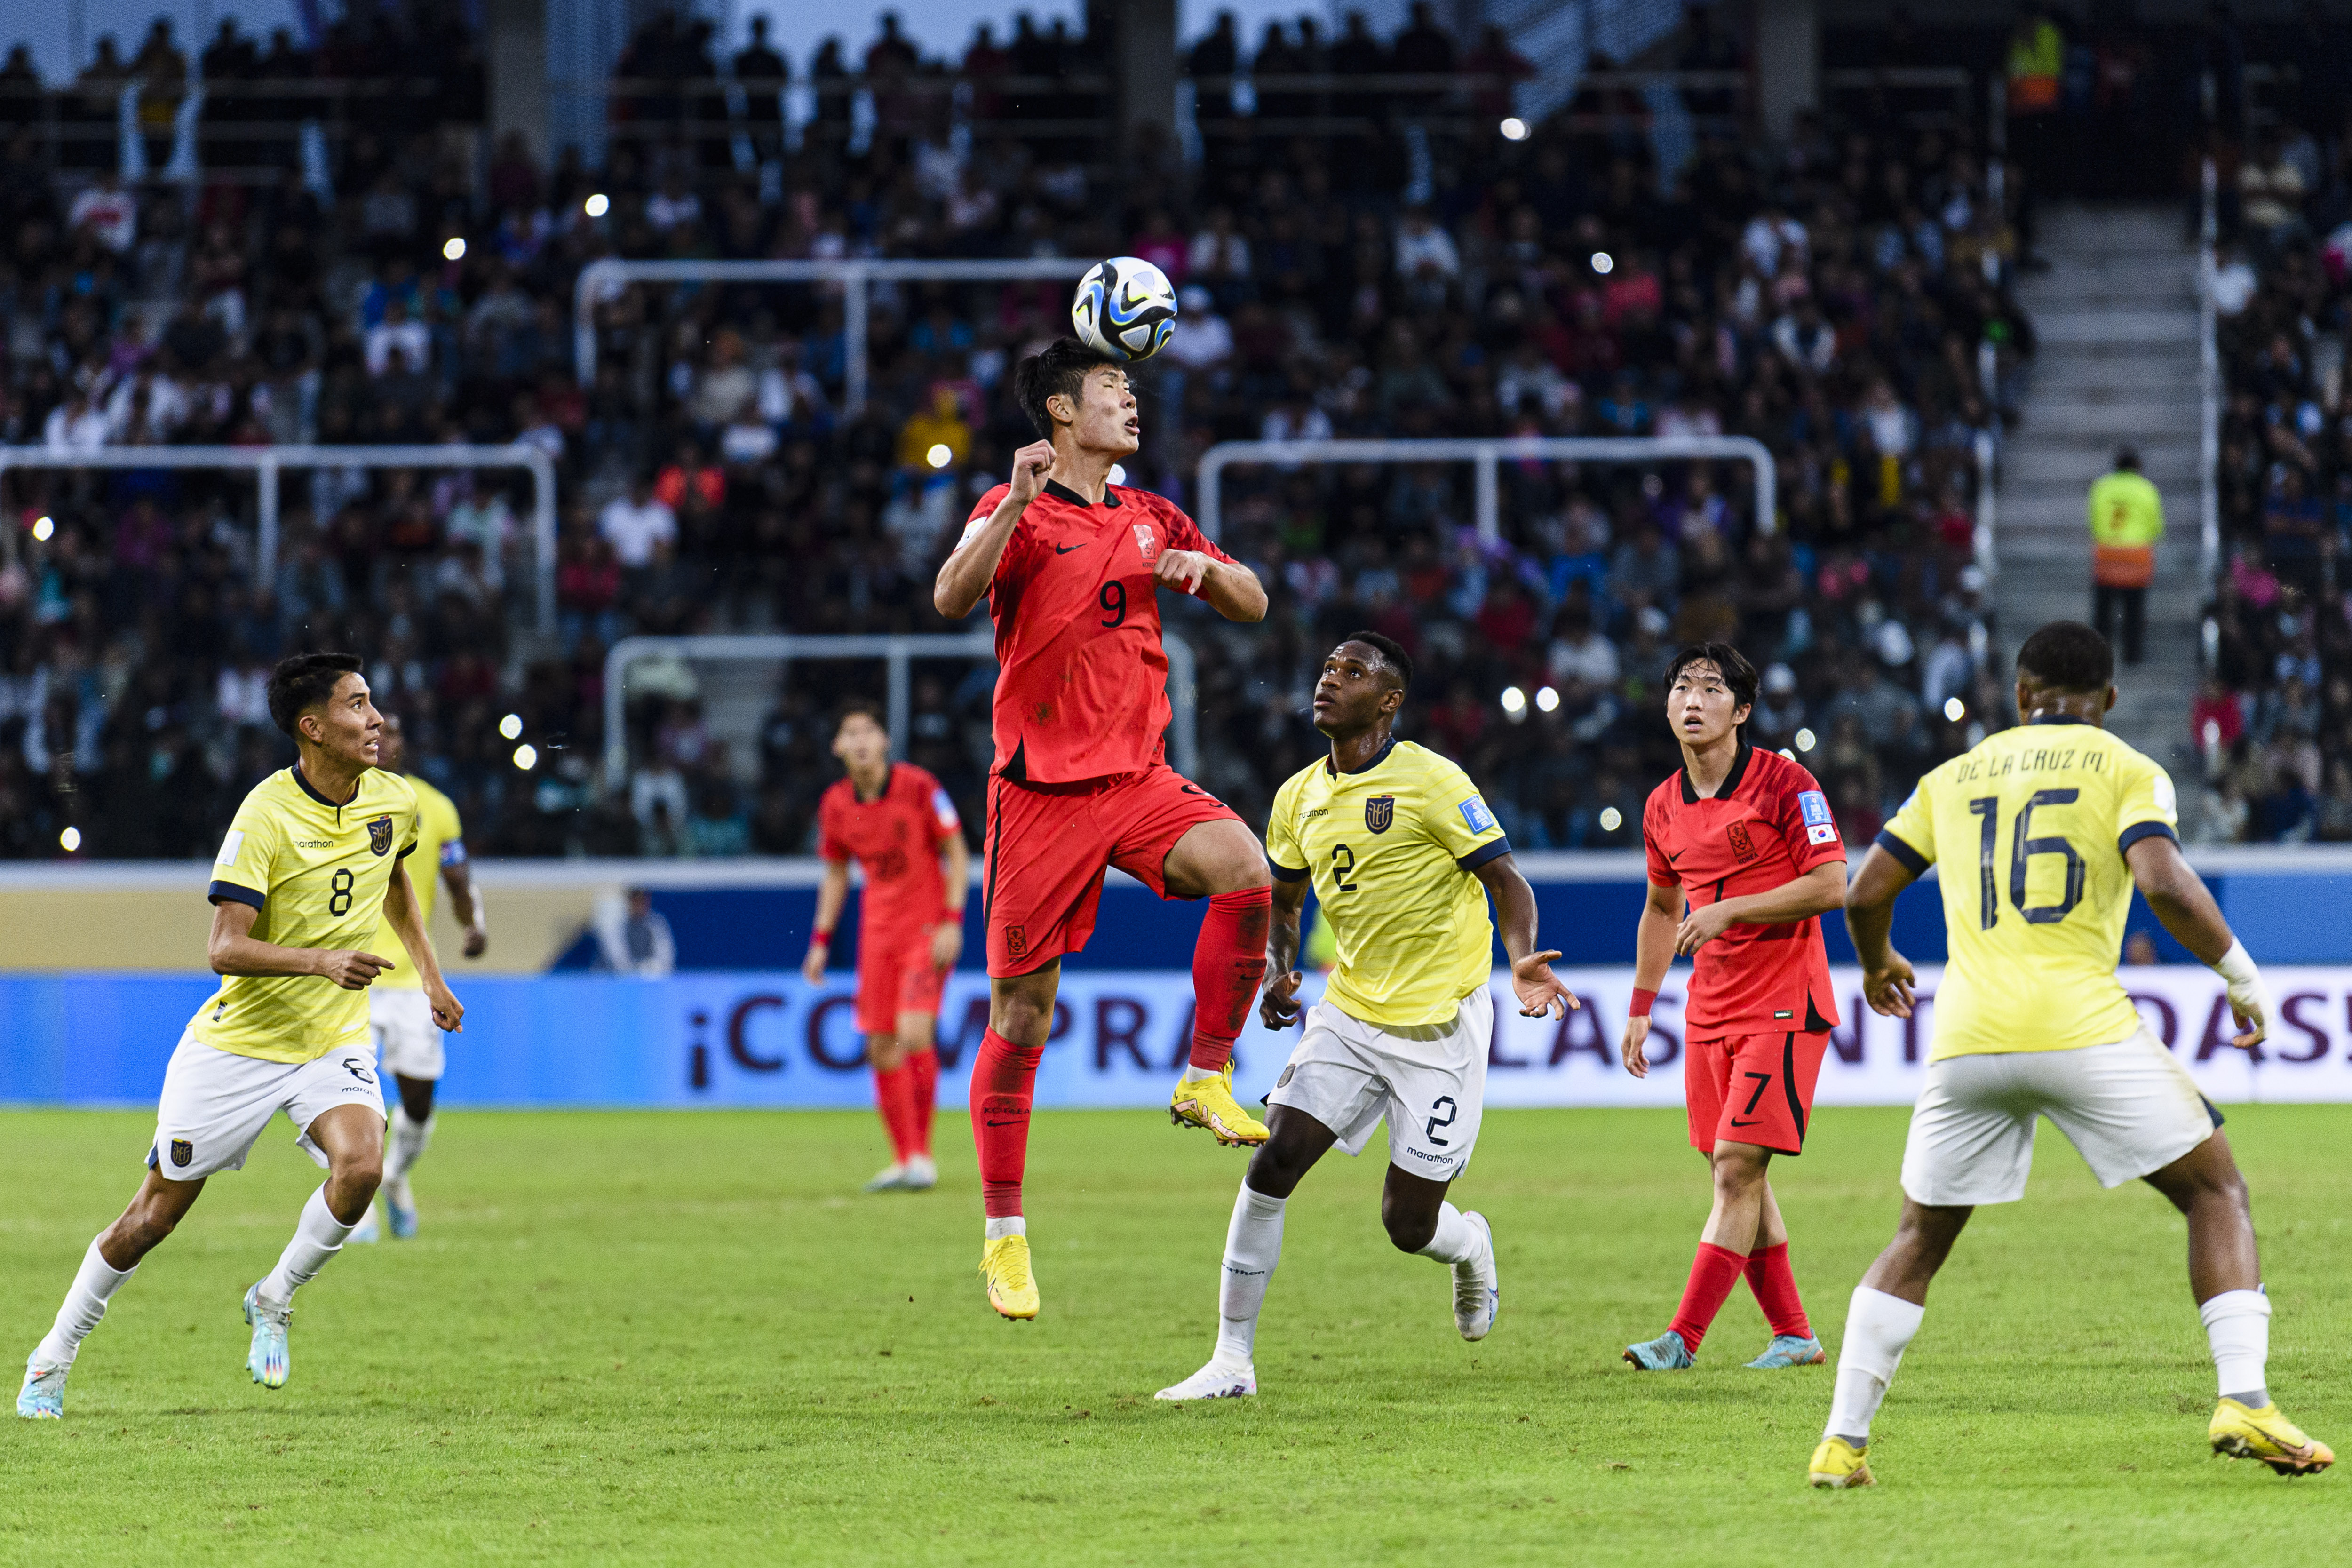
x: 440, y: 841
x: 1392, y: 847
x: 2030, y: 828
x: 317, y: 872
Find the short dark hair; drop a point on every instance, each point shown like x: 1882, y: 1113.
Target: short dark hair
x: 1061, y: 370
x: 303, y: 681
x: 2127, y: 460
x: 1729, y: 661
x: 856, y: 706
x: 2067, y: 656
x: 1391, y: 653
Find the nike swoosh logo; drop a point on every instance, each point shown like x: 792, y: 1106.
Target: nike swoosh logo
x: 1066, y: 549
x: 1749, y: 1121
x: 1674, y: 857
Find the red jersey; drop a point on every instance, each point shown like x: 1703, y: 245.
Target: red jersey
x: 1082, y: 680
x: 1769, y: 824
x: 896, y: 837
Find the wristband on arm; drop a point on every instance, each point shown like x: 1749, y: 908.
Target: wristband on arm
x: 821, y: 939
x: 2237, y: 965
x: 1641, y: 1000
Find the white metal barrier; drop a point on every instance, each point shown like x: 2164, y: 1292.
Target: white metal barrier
x: 2209, y: 385
x: 897, y: 653
x: 855, y: 277
x: 1488, y: 456
x: 269, y: 462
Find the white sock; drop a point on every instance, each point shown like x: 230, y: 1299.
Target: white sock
x: 408, y: 1142
x: 1011, y: 1225
x: 1877, y: 1328
x: 85, y: 1304
x: 1252, y: 1247
x: 2238, y: 1323
x: 318, y: 1235
x: 1456, y: 1240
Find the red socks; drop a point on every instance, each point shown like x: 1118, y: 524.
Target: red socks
x: 1776, y: 1291
x: 1003, y: 1082
x: 1228, y: 962
x: 1713, y: 1273
x: 923, y: 1068
x: 894, y: 1096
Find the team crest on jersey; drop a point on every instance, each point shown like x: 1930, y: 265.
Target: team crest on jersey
x: 1147, y: 541
x: 1742, y: 847
x: 182, y: 1150
x: 1016, y: 940
x: 380, y: 835
x: 1378, y: 812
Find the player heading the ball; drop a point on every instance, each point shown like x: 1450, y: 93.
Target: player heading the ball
x: 1401, y: 852
x: 2042, y: 832
x: 311, y: 859
x: 1072, y: 565
x: 1745, y: 839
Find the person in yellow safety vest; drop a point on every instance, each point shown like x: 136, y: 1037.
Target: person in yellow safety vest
x: 2126, y: 519
x: 2037, y: 57
x: 2037, y: 53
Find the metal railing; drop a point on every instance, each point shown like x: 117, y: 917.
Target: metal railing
x: 897, y: 653
x: 269, y: 462
x: 81, y: 125
x: 855, y: 277
x: 2208, y: 385
x: 1488, y: 456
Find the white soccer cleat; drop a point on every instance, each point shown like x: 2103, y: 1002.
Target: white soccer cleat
x: 921, y: 1175
x: 1216, y: 1380
x: 1477, y: 1285
x: 890, y: 1179
x: 43, y: 1396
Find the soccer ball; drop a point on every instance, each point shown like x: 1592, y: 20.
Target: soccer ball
x: 1125, y: 307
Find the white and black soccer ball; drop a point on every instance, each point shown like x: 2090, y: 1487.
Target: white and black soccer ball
x: 1125, y: 308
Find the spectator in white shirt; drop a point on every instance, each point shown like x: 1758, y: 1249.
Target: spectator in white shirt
x: 1425, y: 253
x: 1203, y: 340
x: 672, y: 205
x: 640, y: 528
x: 75, y: 425
x: 633, y: 938
x: 1220, y: 252
x: 398, y: 339
x: 107, y: 211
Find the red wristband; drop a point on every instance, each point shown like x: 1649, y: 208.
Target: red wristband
x: 820, y: 939
x: 1641, y: 1000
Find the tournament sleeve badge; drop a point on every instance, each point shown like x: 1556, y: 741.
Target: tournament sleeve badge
x: 1474, y: 812
x: 379, y: 835
x: 1379, y: 811
x: 1819, y: 826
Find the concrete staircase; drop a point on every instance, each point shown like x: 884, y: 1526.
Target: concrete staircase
x: 2116, y: 319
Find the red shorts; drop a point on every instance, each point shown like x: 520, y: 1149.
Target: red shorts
x: 1752, y: 1089
x: 1048, y: 845
x: 894, y: 976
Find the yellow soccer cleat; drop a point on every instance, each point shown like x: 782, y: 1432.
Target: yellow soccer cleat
x: 1011, y: 1289
x: 1839, y: 1464
x: 1209, y: 1102
x: 2239, y: 1433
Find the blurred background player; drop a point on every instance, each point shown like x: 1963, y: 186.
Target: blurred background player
x: 1745, y: 837
x: 313, y: 862
x: 407, y: 1044
x: 1071, y: 565
x: 2062, y: 821
x: 897, y: 824
x: 1399, y: 844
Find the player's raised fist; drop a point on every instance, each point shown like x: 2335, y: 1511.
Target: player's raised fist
x: 1029, y: 465
x: 1277, y: 1005
x: 1183, y: 570
x: 351, y: 971
x: 1541, y: 993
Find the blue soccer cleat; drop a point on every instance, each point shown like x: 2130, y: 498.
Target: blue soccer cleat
x: 1790, y: 1350
x: 401, y: 1215
x: 1665, y: 1354
x: 43, y: 1397
x: 366, y: 1232
x: 266, y: 1360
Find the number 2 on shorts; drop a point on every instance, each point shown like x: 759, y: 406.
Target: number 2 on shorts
x: 1445, y: 1102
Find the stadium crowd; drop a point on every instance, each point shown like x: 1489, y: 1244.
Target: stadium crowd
x: 1403, y: 270
x: 2275, y: 723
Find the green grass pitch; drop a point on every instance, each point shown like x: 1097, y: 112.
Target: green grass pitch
x: 686, y: 1338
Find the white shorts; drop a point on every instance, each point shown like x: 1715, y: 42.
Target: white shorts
x: 215, y: 1103
x: 1428, y: 1083
x: 407, y: 1040
x: 2129, y: 1109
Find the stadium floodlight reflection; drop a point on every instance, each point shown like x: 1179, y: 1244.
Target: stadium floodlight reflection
x: 599, y: 279
x: 1488, y: 456
x: 269, y: 462
x: 897, y: 653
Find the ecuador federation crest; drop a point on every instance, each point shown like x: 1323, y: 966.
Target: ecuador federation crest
x: 1378, y: 812
x: 380, y: 835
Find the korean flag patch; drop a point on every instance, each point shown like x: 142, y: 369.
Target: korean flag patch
x: 1814, y: 808
x: 1474, y: 812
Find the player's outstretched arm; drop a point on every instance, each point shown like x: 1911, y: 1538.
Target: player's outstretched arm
x: 831, y: 894
x: 407, y: 921
x: 2182, y: 902
x: 1817, y: 892
x: 1541, y: 993
x: 1886, y: 977
x: 966, y: 574
x: 1654, y: 954
x: 1278, y: 1004
x: 235, y: 950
